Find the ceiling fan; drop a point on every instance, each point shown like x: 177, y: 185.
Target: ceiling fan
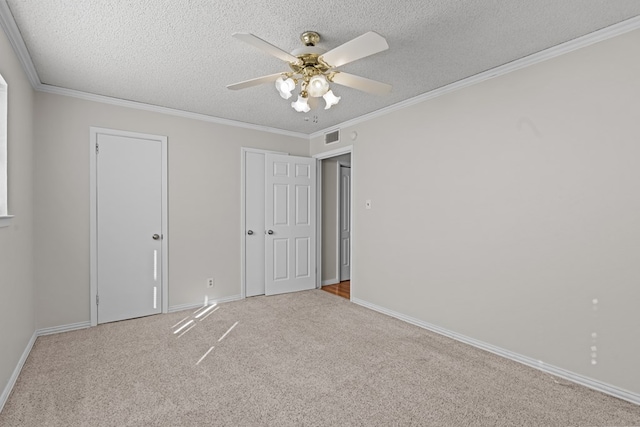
x: 314, y: 68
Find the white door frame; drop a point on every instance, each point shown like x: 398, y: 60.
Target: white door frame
x: 321, y: 156
x: 339, y: 221
x: 243, y: 215
x: 93, y: 210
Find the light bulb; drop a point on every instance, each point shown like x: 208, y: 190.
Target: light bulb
x: 301, y: 105
x: 285, y: 87
x: 318, y: 86
x: 330, y: 99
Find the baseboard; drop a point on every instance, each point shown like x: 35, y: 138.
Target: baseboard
x: 533, y: 363
x: 330, y: 282
x: 75, y: 326
x: 16, y: 372
x: 62, y: 328
x: 190, y: 306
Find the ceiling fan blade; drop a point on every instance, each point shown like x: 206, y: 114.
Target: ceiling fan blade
x: 361, y: 83
x: 364, y: 45
x: 266, y: 47
x: 254, y: 82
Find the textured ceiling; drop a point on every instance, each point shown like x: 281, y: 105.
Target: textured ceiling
x: 180, y: 53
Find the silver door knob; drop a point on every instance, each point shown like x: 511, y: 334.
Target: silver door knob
x: 270, y: 232
x: 250, y: 232
x: 156, y: 237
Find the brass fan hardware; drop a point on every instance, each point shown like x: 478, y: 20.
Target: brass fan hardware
x: 313, y: 68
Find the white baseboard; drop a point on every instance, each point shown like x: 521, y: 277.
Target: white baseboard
x: 38, y: 333
x: 16, y: 372
x: 72, y: 327
x: 550, y: 369
x: 190, y: 306
x: 330, y: 282
x: 63, y: 328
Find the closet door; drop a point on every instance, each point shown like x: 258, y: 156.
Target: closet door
x: 254, y: 231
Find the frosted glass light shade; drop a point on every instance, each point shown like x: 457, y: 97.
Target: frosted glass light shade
x: 301, y: 105
x: 330, y: 99
x: 318, y: 86
x: 285, y: 87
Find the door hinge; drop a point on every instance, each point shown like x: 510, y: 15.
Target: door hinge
x: 97, y: 299
x: 97, y: 148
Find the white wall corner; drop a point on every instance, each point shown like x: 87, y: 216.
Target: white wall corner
x: 10, y: 28
x: 16, y: 372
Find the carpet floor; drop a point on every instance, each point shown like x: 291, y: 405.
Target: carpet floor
x: 307, y: 358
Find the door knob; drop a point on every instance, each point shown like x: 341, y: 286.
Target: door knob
x: 156, y: 237
x: 270, y: 232
x: 250, y: 232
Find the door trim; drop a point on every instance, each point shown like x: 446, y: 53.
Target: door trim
x: 93, y: 209
x: 349, y: 149
x: 339, y: 221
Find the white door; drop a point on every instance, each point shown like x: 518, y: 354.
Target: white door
x: 290, y: 221
x: 254, y: 223
x: 129, y: 227
x: 345, y: 223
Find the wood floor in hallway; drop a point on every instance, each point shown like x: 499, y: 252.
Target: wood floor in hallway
x: 342, y: 289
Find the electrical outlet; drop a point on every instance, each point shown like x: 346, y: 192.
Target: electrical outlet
x: 210, y: 282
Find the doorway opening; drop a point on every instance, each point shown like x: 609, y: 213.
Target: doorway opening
x: 255, y: 231
x: 335, y: 235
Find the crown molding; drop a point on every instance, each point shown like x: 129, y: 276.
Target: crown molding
x: 10, y: 28
x: 552, y: 52
x: 164, y: 110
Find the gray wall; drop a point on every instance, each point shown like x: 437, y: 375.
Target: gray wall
x: 204, y: 201
x: 16, y: 240
x: 502, y: 210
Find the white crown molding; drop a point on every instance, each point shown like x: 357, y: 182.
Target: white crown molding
x: 10, y: 28
x: 536, y: 364
x: 535, y: 58
x: 8, y: 24
x: 165, y: 110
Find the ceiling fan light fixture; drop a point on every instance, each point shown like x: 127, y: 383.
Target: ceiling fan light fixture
x: 313, y: 68
x: 330, y: 99
x: 285, y: 87
x: 318, y: 86
x: 301, y: 105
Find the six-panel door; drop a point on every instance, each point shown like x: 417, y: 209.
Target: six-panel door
x: 290, y: 222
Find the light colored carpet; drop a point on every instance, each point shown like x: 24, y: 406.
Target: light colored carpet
x: 308, y: 358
